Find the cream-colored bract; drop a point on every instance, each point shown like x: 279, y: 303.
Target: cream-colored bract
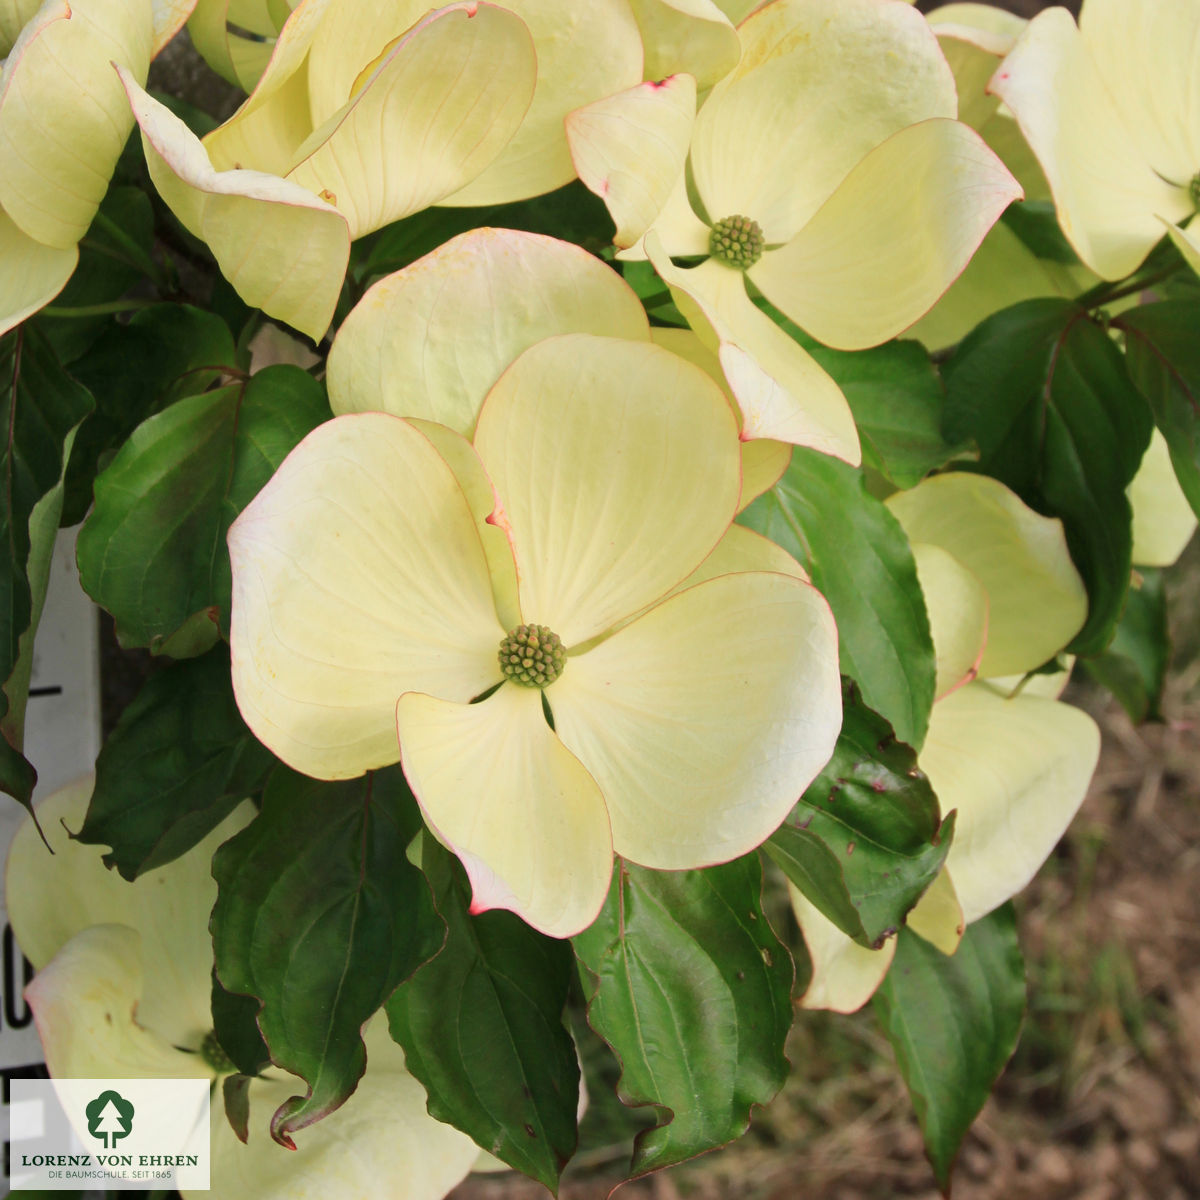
x: 236, y: 37
x: 650, y: 713
x: 343, y: 134
x: 584, y: 52
x: 402, y: 350
x: 631, y: 149
x: 51, y: 898
x: 1012, y: 763
x: 686, y: 35
x: 625, y: 498
x: 431, y: 340
x: 33, y: 273
x: 844, y: 974
x: 282, y: 249
x: 331, y: 608
x: 764, y: 369
x: 1003, y: 271
x: 1108, y: 108
x: 700, y: 693
x: 957, y: 604
x: 1016, y: 771
x: 379, y: 1145
x: 123, y: 991
x: 853, y: 277
x: 63, y: 122
x: 835, y: 133
x: 764, y: 459
x: 1163, y: 520
x: 495, y: 781
x: 14, y: 16
x: 1037, y: 601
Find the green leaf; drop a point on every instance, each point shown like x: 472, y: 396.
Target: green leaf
x: 571, y: 213
x: 897, y: 401
x: 235, y: 1092
x: 179, y: 761
x: 953, y: 1024
x: 235, y: 1025
x: 170, y: 343
x: 153, y: 551
x: 114, y: 254
x: 861, y: 562
x: 866, y: 839
x: 320, y: 916
x: 482, y: 1029
x: 40, y: 407
x: 692, y: 991
x: 1035, y: 222
x: 1134, y: 667
x: 1162, y: 351
x: 1043, y: 391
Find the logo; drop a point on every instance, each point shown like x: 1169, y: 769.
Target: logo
x: 110, y: 1118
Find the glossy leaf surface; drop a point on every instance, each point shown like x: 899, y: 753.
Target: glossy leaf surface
x: 482, y: 1029
x: 860, y: 561
x: 320, y: 916
x: 866, y: 839
x: 692, y: 992
x: 953, y: 1023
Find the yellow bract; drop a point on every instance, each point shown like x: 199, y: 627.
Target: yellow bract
x: 1003, y: 596
x: 63, y: 121
x: 123, y: 992
x: 1163, y: 520
x: 355, y: 35
x: 360, y: 118
x: 236, y: 37
x: 1108, y: 108
x: 833, y: 134
x: 378, y: 572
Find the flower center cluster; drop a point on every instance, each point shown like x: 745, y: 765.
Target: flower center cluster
x: 532, y: 656
x: 737, y: 241
x: 211, y: 1052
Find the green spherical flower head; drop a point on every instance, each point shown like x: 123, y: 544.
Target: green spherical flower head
x: 736, y: 241
x: 215, y: 1056
x: 532, y: 656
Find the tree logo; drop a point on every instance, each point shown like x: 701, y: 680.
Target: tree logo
x: 110, y: 1118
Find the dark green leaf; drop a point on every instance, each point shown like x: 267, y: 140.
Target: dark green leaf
x: 170, y: 344
x: 235, y: 1092
x: 40, y: 407
x: 693, y: 993
x: 403, y: 242
x: 482, y: 1029
x: 861, y: 562
x: 114, y: 254
x: 235, y: 1026
x: 953, y: 1023
x: 866, y: 838
x: 571, y: 213
x: 1134, y: 667
x: 1035, y: 222
x: 1162, y: 348
x: 178, y: 762
x: 196, y: 119
x: 1043, y: 391
x: 153, y: 551
x: 321, y: 916
x: 897, y: 401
